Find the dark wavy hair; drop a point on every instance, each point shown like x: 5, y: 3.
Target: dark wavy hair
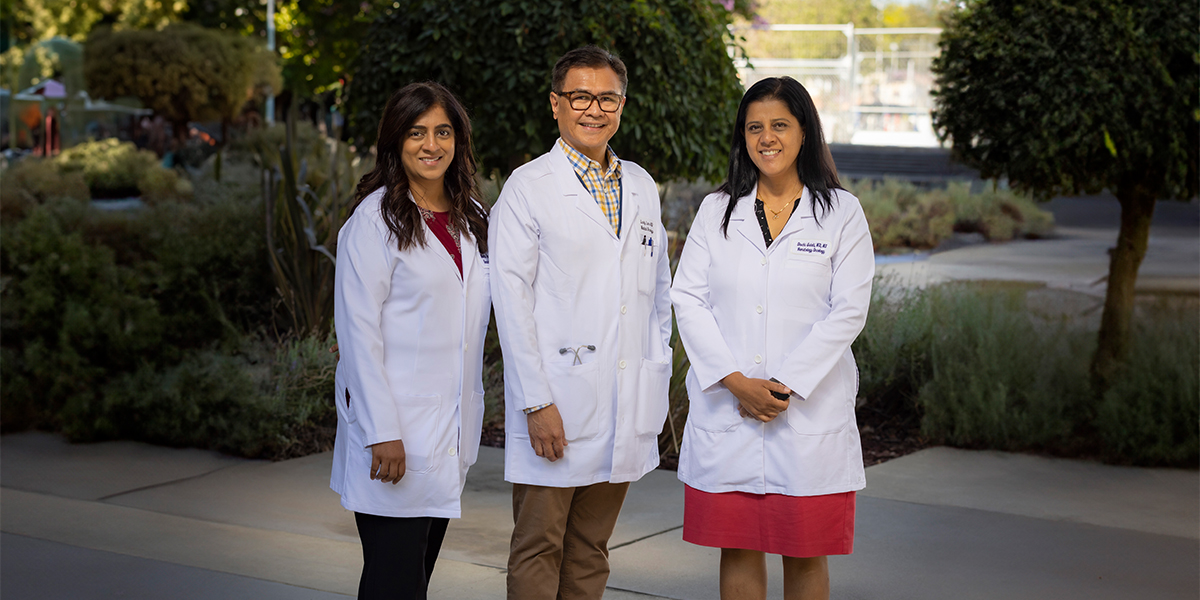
x: 401, y: 214
x: 814, y: 164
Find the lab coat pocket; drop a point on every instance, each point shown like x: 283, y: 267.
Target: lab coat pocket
x: 420, y: 426
x: 827, y: 411
x: 806, y: 281
x: 653, y: 383
x: 715, y: 411
x: 472, y: 428
x: 573, y: 389
x: 647, y: 274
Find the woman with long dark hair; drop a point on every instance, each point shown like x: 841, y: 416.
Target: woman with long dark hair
x: 412, y: 302
x: 771, y: 290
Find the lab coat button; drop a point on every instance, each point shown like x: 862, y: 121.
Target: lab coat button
x: 764, y: 261
x: 759, y: 309
x: 758, y: 358
x: 623, y: 309
x: 621, y: 364
x: 453, y: 451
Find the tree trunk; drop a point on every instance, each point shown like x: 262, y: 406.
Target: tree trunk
x: 1137, y: 207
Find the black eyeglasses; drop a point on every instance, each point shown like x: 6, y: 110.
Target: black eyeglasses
x: 583, y: 101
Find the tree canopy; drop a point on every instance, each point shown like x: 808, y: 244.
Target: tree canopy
x: 183, y: 72
x: 317, y: 40
x: 497, y: 56
x: 1071, y: 96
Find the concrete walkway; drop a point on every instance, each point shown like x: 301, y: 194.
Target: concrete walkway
x: 134, y: 521
x: 129, y: 520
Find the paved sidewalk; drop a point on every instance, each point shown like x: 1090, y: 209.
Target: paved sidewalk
x: 129, y: 520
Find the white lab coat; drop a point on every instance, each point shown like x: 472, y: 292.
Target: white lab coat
x: 562, y: 279
x: 788, y: 312
x: 410, y: 332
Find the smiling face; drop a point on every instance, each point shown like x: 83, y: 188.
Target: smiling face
x: 589, y: 130
x: 428, y: 149
x: 773, y: 138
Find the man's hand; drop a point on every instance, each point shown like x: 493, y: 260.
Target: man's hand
x: 334, y: 352
x: 754, y: 396
x: 387, y: 461
x: 546, y: 433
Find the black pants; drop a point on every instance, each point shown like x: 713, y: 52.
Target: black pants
x: 398, y: 555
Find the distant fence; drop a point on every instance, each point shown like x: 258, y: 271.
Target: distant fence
x: 871, y: 86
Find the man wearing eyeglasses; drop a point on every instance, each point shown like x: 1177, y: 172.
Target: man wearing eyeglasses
x: 580, y: 280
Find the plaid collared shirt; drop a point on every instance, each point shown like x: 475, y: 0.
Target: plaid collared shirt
x: 605, y: 187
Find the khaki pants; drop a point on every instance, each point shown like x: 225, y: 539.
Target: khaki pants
x: 560, y: 540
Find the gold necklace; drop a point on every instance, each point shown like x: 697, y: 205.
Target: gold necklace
x: 775, y: 213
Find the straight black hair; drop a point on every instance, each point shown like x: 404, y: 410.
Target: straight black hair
x: 814, y: 164
x: 400, y: 214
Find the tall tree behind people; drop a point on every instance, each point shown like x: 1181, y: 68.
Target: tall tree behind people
x: 686, y: 88
x: 1078, y: 96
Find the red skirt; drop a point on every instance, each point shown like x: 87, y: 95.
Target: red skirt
x: 798, y: 526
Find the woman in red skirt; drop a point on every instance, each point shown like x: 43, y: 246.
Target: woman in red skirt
x: 771, y: 290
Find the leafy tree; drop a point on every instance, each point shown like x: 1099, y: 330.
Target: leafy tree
x: 317, y: 40
x: 497, y: 56
x: 36, y: 20
x: 1071, y: 96
x: 27, y: 22
x: 183, y: 72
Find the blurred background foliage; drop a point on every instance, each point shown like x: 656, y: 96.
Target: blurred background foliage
x: 179, y: 322
x: 683, y: 88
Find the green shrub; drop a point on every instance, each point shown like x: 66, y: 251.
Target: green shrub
x: 1151, y: 414
x: 892, y: 351
x: 1000, y: 378
x: 71, y: 316
x: 902, y: 216
x: 261, y: 403
x: 1000, y: 215
x: 32, y: 181
x: 91, y: 295
x: 979, y: 369
x: 116, y: 169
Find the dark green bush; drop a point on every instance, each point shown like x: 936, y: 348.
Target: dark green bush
x: 90, y: 295
x: 999, y: 377
x: 1151, y: 414
x: 71, y: 316
x: 260, y: 403
x: 979, y: 369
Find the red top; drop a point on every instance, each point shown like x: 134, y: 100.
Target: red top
x: 439, y: 222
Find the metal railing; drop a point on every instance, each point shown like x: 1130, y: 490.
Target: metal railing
x: 870, y: 85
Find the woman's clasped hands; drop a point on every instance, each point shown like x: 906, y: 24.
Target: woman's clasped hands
x: 755, y: 398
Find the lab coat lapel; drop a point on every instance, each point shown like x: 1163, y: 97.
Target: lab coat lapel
x: 748, y: 226
x: 469, y: 254
x: 570, y: 186
x: 630, y: 200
